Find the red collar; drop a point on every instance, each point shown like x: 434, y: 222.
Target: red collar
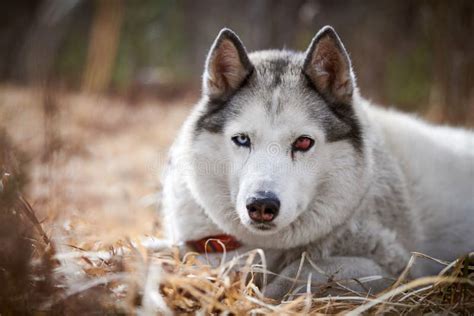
x: 214, y: 244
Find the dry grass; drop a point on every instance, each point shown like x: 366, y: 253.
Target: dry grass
x: 93, y: 171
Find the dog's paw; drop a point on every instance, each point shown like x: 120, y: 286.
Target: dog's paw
x: 276, y: 290
x: 283, y: 286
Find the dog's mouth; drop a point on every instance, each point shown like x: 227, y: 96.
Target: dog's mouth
x: 263, y: 227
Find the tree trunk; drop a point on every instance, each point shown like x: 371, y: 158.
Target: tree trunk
x: 103, y: 45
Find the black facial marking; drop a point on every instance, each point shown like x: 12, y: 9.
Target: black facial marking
x: 217, y: 111
x: 276, y: 68
x: 343, y: 124
x: 345, y: 113
x: 214, y: 118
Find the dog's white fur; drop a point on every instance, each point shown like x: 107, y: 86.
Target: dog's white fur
x: 413, y: 189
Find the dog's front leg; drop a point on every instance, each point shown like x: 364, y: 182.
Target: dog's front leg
x: 294, y: 277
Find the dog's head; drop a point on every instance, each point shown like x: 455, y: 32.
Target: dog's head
x: 277, y: 150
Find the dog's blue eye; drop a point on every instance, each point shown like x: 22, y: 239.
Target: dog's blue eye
x: 241, y: 140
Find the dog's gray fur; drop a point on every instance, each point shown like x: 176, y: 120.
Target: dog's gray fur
x: 376, y: 185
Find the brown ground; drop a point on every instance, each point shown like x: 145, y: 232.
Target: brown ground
x: 94, y: 161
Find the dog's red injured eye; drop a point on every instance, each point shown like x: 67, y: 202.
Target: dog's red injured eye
x: 303, y: 143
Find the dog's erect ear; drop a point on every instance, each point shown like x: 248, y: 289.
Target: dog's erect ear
x: 227, y: 65
x: 328, y: 67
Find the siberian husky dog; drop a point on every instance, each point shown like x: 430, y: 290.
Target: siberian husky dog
x: 283, y: 154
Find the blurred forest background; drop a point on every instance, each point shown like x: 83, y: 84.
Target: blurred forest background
x: 417, y: 55
x: 92, y: 93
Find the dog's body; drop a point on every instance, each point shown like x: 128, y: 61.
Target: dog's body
x: 283, y: 154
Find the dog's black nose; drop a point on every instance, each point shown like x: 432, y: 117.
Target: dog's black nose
x: 263, y: 207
